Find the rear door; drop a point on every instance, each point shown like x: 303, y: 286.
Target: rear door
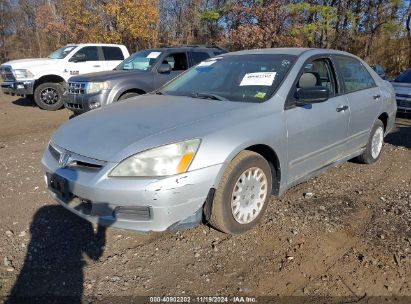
x: 113, y: 56
x: 364, y: 99
x: 93, y: 61
x: 178, y: 62
x: 316, y: 132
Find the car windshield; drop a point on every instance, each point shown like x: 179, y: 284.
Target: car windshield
x: 404, y: 77
x: 62, y: 52
x: 247, y: 78
x: 143, y: 61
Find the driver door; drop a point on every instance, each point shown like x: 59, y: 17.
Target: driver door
x: 92, y: 61
x: 317, y: 133
x: 178, y: 62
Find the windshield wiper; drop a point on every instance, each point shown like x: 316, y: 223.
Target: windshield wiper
x: 205, y: 95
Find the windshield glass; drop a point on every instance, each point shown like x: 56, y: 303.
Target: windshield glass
x: 143, y: 61
x: 404, y: 77
x: 248, y: 78
x: 62, y: 53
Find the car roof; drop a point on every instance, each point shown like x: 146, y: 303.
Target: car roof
x: 185, y: 48
x: 93, y: 44
x: 290, y: 51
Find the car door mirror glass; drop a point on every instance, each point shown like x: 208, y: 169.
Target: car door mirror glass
x: 315, y: 94
x: 78, y: 57
x: 164, y: 68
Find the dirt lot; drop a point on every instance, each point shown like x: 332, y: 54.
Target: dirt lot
x: 344, y: 233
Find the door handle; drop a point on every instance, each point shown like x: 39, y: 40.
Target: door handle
x: 376, y: 96
x: 96, y: 66
x: 341, y: 108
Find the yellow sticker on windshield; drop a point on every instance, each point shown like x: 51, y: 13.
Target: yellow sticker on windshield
x: 260, y: 95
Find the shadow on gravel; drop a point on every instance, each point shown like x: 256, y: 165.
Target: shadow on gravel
x: 401, y: 136
x: 53, y: 267
x: 24, y: 102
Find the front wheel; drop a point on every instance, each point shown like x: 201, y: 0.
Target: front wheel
x: 127, y: 96
x: 49, y: 96
x: 374, y: 145
x: 243, y: 194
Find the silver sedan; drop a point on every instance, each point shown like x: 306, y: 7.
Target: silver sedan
x: 214, y: 144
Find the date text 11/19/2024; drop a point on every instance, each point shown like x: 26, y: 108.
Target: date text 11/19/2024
x: 202, y: 299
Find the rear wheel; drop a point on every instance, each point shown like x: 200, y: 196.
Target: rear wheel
x: 243, y: 194
x: 48, y: 96
x: 374, y: 146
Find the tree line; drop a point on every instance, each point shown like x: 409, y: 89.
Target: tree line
x: 376, y: 30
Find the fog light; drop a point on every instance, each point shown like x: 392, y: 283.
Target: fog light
x: 133, y: 213
x: 94, y: 105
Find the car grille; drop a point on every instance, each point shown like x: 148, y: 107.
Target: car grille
x: 74, y: 106
x: 403, y: 100
x: 77, y: 88
x: 6, y: 74
x: 77, y: 161
x: 403, y: 95
x: 404, y: 103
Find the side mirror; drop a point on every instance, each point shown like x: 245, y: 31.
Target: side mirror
x: 78, y: 57
x: 164, y: 68
x: 312, y: 95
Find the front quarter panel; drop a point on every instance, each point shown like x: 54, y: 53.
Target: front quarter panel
x: 140, y: 81
x: 223, y: 144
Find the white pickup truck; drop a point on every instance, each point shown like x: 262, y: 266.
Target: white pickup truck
x: 44, y: 78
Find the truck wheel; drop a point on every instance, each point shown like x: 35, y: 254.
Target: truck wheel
x: 48, y: 96
x: 374, y: 146
x: 128, y: 95
x: 243, y: 194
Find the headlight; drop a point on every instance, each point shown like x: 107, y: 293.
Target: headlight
x: 94, y: 87
x: 162, y: 161
x: 22, y: 74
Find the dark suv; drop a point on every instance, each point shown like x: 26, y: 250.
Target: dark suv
x: 140, y: 73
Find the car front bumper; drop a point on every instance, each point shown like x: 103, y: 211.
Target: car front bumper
x: 139, y: 204
x: 404, y: 105
x: 18, y: 87
x: 80, y: 103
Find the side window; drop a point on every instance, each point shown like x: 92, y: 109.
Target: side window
x: 319, y: 72
x: 90, y: 52
x: 199, y: 56
x: 178, y: 61
x: 112, y: 53
x: 354, y: 74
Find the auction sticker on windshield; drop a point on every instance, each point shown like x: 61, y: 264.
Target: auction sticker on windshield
x: 258, y: 79
x: 206, y: 63
x: 153, y: 55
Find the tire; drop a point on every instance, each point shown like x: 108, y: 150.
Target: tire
x: 48, y: 96
x: 223, y: 216
x: 376, y: 140
x: 128, y: 95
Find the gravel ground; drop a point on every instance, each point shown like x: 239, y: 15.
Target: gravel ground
x: 346, y: 232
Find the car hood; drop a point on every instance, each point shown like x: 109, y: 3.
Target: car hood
x: 30, y: 63
x: 104, y: 133
x: 105, y: 75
